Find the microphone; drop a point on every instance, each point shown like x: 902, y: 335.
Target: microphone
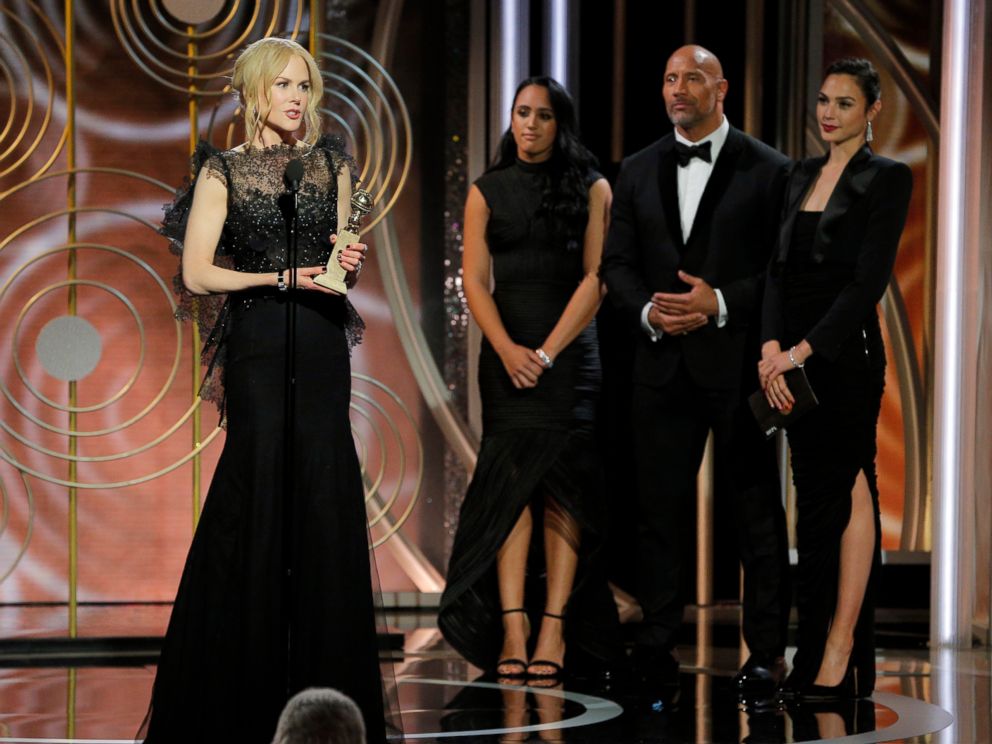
x: 293, y: 175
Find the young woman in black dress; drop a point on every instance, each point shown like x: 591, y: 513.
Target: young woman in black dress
x: 529, y: 526
x: 843, y: 217
x: 238, y: 645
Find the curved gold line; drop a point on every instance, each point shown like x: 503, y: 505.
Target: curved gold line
x: 183, y: 55
x: 92, y: 169
x: 913, y: 415
x: 432, y: 386
x: 373, y: 486
x: 68, y: 457
x: 364, y: 178
x: 113, y: 484
x: 420, y: 454
x: 374, y: 144
x: 362, y: 122
x: 12, y: 115
x: 351, y: 139
x: 17, y: 337
x: 30, y: 105
x: 30, y: 523
x: 175, y: 365
x: 876, y: 38
x: 407, y: 128
x: 4, y: 507
x: 27, y: 226
x: 298, y: 23
x: 51, y: 94
x: 148, y: 70
x: 392, y: 499
x: 196, y: 35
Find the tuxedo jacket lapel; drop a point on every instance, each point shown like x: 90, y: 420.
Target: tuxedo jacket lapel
x: 851, y: 186
x: 799, y: 185
x: 716, y: 186
x: 668, y: 187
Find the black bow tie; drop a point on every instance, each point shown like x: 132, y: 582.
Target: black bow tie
x: 688, y: 152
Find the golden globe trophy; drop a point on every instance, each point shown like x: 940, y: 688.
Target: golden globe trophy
x: 361, y: 204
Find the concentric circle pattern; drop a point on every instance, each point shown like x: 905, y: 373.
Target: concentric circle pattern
x: 363, y: 104
x: 191, y: 46
x: 49, y: 346
x: 390, y: 453
x: 32, y: 67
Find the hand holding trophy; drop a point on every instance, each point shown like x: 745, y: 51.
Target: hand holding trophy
x: 361, y: 204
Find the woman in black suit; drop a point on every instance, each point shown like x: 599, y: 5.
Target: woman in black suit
x: 843, y: 217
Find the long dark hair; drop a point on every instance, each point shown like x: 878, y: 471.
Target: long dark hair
x: 565, y: 197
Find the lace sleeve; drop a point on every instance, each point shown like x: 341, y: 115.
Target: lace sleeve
x: 208, y: 311
x: 338, y: 156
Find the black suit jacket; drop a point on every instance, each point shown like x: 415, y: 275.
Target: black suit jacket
x: 732, y: 239
x: 860, y: 227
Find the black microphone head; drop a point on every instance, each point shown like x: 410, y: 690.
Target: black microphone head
x: 294, y: 174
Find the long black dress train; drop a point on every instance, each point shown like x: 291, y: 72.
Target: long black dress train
x: 224, y: 673
x: 537, y: 443
x: 831, y: 270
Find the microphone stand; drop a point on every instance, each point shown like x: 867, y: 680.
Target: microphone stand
x: 290, y: 203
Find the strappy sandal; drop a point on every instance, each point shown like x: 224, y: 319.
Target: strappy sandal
x: 558, y: 671
x: 519, y: 664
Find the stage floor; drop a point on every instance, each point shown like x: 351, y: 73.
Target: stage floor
x: 102, y: 698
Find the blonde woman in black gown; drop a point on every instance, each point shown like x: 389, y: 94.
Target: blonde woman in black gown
x: 529, y: 530
x: 226, y: 668
x: 843, y: 218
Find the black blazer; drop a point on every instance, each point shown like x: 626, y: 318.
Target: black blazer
x: 732, y: 238
x: 860, y: 228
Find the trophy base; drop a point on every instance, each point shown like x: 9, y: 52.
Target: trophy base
x: 331, y: 282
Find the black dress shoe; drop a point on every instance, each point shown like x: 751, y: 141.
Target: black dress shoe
x: 760, y: 677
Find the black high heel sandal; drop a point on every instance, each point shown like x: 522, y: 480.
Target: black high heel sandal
x: 521, y: 664
x: 558, y: 670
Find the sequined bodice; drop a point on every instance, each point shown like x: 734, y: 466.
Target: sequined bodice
x: 254, y: 235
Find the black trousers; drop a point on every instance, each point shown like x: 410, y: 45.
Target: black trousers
x: 671, y: 424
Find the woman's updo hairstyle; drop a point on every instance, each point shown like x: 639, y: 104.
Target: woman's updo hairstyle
x: 863, y: 72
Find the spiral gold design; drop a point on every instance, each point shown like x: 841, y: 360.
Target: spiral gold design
x: 25, y: 65
x: 197, y: 57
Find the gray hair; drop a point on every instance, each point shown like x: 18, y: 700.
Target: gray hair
x: 320, y: 715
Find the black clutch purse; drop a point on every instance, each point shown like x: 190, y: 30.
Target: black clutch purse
x: 770, y: 420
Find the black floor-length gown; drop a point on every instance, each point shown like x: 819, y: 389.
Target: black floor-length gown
x: 226, y: 668
x: 828, y: 447
x: 537, y: 443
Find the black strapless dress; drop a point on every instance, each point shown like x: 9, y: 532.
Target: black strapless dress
x: 537, y: 443
x: 829, y: 446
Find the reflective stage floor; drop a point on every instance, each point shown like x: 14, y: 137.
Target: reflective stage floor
x: 921, y: 697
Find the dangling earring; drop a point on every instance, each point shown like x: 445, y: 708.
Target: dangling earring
x: 868, y: 134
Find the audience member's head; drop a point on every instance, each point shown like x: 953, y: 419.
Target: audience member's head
x: 320, y: 715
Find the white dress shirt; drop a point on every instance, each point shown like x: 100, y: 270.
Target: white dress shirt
x: 692, y: 180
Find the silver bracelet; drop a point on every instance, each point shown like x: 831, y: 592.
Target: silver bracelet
x: 792, y: 359
x: 545, y: 359
x: 280, y: 282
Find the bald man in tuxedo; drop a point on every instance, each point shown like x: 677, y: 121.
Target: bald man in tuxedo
x: 695, y: 216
